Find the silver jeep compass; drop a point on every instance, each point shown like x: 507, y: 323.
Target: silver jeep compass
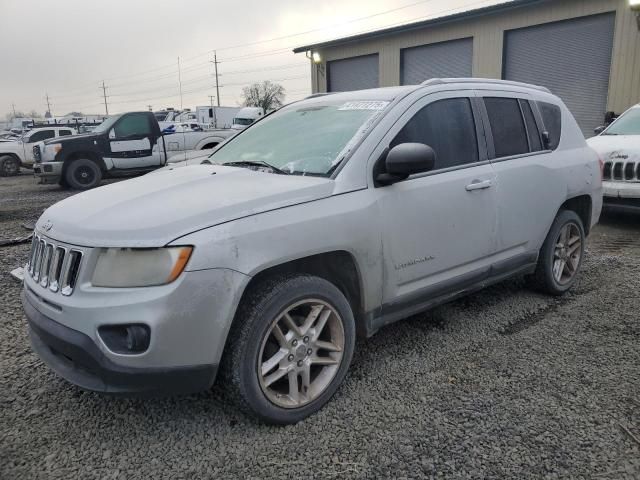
x: 327, y: 219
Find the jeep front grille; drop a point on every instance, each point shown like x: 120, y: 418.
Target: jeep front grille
x: 621, y: 171
x: 54, y: 266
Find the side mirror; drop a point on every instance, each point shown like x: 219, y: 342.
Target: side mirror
x: 112, y: 133
x: 599, y: 130
x: 406, y: 159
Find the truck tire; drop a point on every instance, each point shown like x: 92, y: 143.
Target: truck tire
x: 561, y: 255
x: 289, y: 348
x: 9, y: 166
x: 83, y: 174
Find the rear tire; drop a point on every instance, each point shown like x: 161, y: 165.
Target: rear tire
x: 280, y: 371
x: 561, y: 255
x: 9, y: 166
x: 83, y: 174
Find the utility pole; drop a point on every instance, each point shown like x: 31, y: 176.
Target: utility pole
x: 180, y: 83
x: 104, y: 94
x: 13, y: 107
x: 213, y: 111
x: 215, y: 65
x: 48, y: 105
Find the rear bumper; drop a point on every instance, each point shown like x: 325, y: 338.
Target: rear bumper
x: 76, y: 358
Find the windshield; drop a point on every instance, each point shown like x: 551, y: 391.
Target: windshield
x: 242, y: 121
x: 627, y: 124
x: 107, y: 124
x: 303, y: 139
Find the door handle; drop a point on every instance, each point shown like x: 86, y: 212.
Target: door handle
x: 478, y: 185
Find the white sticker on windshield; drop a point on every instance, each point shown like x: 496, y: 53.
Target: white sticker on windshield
x: 364, y: 105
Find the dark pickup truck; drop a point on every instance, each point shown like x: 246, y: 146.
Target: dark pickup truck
x: 125, y: 144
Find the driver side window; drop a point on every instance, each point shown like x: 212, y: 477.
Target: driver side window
x: 448, y: 127
x: 132, y: 125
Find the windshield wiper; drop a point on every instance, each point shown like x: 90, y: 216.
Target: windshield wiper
x: 256, y: 163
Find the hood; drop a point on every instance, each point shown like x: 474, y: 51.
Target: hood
x: 153, y: 210
x: 70, y: 138
x: 623, y: 148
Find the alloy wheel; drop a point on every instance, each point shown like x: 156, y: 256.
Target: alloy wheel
x: 567, y: 253
x: 301, y: 353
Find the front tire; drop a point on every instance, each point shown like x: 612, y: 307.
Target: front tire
x: 561, y: 255
x: 289, y: 348
x: 9, y: 166
x: 83, y: 174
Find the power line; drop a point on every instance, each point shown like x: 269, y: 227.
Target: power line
x: 271, y: 52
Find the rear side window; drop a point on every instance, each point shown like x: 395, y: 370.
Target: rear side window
x: 41, y: 135
x: 448, y: 127
x: 65, y: 132
x: 507, y: 126
x: 533, y: 134
x: 552, y: 119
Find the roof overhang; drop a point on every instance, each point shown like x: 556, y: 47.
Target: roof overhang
x: 501, y: 7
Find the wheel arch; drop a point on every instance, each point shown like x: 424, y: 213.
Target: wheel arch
x: 582, y: 206
x: 338, y: 267
x: 209, y: 142
x: 95, y: 157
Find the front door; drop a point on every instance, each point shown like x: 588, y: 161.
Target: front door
x: 439, y: 226
x: 131, y: 142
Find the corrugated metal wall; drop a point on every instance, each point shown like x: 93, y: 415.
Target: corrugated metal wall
x: 437, y: 60
x: 572, y: 58
x: 488, y: 35
x: 356, y: 73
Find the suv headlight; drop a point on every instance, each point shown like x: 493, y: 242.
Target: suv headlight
x: 139, y: 267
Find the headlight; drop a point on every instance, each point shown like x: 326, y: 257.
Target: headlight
x: 139, y: 267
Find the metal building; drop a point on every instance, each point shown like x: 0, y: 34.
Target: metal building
x: 585, y: 51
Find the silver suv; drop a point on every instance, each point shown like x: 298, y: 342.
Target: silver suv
x: 327, y: 219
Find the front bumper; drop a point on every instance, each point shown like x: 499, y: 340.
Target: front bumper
x: 621, y: 195
x: 48, y: 172
x: 77, y: 359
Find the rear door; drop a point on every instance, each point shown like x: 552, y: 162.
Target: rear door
x: 131, y: 142
x: 439, y: 226
x: 527, y: 191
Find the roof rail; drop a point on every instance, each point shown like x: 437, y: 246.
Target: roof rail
x: 320, y: 94
x: 443, y: 81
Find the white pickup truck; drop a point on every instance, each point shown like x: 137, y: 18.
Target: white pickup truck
x: 124, y: 144
x: 19, y: 153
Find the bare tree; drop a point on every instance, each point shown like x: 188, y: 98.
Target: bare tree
x: 267, y: 95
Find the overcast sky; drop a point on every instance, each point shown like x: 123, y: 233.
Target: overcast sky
x: 67, y: 47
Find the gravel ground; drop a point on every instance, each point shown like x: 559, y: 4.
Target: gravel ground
x: 506, y: 383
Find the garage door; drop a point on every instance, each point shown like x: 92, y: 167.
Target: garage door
x: 356, y: 73
x: 438, y: 60
x: 572, y: 58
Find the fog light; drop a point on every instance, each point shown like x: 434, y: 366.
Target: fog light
x: 137, y: 338
x: 125, y: 339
